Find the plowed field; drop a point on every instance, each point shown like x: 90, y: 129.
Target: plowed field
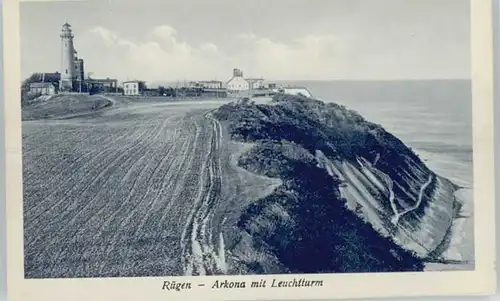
x: 132, y: 191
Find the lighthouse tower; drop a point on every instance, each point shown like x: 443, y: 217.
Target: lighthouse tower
x: 67, y: 59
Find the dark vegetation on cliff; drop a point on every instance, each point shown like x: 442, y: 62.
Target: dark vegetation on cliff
x: 304, y: 222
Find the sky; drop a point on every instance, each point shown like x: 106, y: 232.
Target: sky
x: 170, y: 40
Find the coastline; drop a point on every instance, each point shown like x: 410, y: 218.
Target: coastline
x: 454, y: 242
x: 458, y: 242
x: 459, y: 252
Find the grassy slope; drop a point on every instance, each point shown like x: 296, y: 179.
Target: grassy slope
x: 63, y: 106
x: 304, y: 224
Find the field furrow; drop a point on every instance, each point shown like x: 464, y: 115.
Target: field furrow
x: 62, y: 163
x: 129, y: 229
x: 92, y: 208
x: 93, y: 157
x: 80, y: 185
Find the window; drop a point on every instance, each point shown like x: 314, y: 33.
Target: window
x: 66, y: 71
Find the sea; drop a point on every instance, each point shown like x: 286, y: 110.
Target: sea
x: 434, y: 119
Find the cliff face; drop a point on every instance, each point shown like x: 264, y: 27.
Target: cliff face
x: 354, y: 198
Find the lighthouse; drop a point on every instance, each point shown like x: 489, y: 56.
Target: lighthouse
x: 67, y: 59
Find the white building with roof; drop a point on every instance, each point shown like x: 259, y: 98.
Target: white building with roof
x: 239, y: 83
x: 211, y: 84
x: 42, y: 88
x: 255, y: 83
x: 133, y: 87
x: 296, y: 91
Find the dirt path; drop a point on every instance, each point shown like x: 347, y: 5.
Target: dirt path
x: 397, y: 215
x: 198, y: 248
x: 420, y: 197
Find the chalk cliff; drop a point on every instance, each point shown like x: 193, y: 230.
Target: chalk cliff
x: 354, y: 198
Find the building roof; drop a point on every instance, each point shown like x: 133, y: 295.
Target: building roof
x: 54, y: 75
x: 248, y: 80
x: 41, y: 85
x: 214, y: 90
x: 133, y: 81
x: 101, y: 80
x: 237, y: 77
x: 45, y: 77
x: 66, y: 31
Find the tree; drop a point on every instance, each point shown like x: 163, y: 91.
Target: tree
x: 95, y: 89
x: 25, y: 86
x: 162, y: 91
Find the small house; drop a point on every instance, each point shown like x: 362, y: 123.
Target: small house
x: 237, y: 82
x: 101, y: 85
x: 135, y: 87
x: 213, y: 84
x: 255, y: 83
x: 42, y: 88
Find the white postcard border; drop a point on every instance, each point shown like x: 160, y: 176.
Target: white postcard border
x: 481, y: 281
